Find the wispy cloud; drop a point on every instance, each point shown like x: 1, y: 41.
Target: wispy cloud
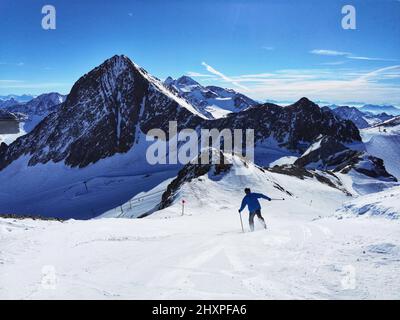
x: 375, y: 74
x: 336, y: 85
x: 369, y: 58
x: 201, y: 75
x: 21, y: 84
x: 333, y: 63
x: 10, y: 81
x: 18, y: 64
x: 222, y: 76
x: 349, y: 55
x: 325, y: 52
x: 268, y: 48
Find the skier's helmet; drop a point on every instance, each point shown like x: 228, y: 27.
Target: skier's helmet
x: 247, y: 190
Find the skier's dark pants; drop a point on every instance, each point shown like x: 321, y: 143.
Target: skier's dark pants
x: 259, y: 216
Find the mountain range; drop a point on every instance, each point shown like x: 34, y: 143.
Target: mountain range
x: 86, y: 155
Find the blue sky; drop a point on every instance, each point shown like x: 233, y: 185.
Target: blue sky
x: 279, y: 50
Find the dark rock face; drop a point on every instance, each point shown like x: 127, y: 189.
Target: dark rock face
x: 326, y: 154
x: 108, y: 108
x: 3, y: 148
x: 391, y: 123
x: 7, y: 116
x: 328, y: 177
x: 365, y: 164
x: 8, y: 122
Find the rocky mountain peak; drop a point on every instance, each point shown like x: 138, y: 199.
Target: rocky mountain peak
x: 186, y: 80
x: 304, y: 103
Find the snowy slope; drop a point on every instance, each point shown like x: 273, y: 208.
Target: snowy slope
x: 306, y: 253
x: 385, y: 203
x: 384, y: 142
x: 54, y: 189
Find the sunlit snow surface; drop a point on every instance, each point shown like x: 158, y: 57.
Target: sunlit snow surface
x: 306, y: 252
x: 384, y: 145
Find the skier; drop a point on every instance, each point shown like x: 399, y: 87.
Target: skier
x: 251, y: 200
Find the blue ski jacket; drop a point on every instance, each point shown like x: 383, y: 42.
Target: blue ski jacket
x: 251, y: 201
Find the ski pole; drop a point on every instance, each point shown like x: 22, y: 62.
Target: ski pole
x: 278, y: 199
x: 241, y: 222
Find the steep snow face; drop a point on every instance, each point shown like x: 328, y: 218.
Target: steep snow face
x: 383, y: 142
x: 212, y: 101
x: 385, y: 203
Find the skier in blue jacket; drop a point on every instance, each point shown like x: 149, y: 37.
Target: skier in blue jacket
x: 251, y: 200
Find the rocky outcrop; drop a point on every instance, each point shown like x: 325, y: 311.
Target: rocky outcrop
x: 192, y: 171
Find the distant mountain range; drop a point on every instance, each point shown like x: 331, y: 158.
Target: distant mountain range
x: 372, y: 108
x: 17, y: 98
x: 30, y: 113
x: 38, y: 106
x: 377, y: 109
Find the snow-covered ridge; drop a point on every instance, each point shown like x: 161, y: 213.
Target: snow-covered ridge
x: 211, y: 101
x: 161, y: 87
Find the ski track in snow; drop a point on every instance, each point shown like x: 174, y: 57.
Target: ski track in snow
x: 186, y: 257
